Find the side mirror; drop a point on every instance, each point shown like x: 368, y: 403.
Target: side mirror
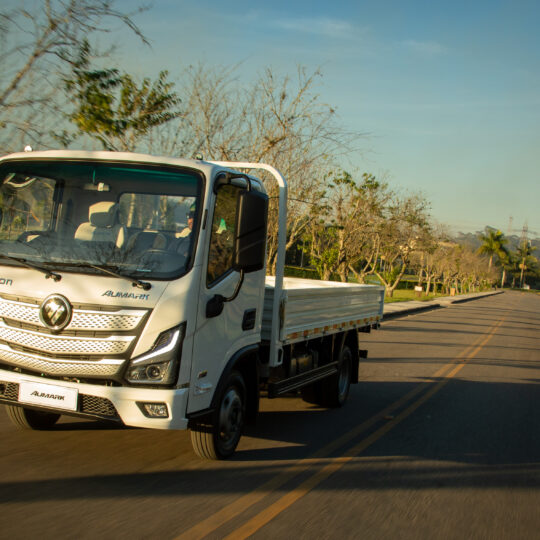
x: 214, y: 307
x: 250, y: 241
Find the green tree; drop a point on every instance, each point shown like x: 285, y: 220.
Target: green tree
x: 493, y: 244
x: 525, y: 259
x: 507, y: 262
x: 112, y: 108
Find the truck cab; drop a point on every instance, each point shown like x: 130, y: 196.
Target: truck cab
x: 117, y: 279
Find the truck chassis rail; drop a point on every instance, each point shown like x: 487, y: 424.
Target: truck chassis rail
x: 279, y: 388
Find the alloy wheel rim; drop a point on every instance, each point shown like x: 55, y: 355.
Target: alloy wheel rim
x: 230, y: 417
x: 344, y: 374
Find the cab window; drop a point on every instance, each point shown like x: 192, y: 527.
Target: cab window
x: 220, y: 253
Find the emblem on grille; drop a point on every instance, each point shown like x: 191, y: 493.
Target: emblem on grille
x: 55, y: 312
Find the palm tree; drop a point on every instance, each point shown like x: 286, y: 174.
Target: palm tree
x: 493, y: 244
x: 524, y: 254
x: 507, y: 263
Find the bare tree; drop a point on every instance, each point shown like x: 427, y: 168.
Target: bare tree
x: 404, y: 230
x: 460, y: 268
x: 345, y: 237
x: 278, y: 120
x: 431, y: 250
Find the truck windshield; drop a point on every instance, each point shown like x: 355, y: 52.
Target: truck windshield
x: 72, y: 216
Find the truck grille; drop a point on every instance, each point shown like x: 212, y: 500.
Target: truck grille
x: 91, y: 405
x: 123, y: 320
x: 97, y: 406
x: 66, y: 368
x: 95, y: 343
x: 9, y: 390
x: 65, y: 345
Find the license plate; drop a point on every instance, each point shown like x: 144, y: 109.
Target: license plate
x: 48, y: 395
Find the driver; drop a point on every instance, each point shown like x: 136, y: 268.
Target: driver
x: 184, y: 236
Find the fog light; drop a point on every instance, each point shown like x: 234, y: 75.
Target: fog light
x: 154, y: 410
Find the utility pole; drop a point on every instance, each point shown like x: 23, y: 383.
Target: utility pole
x: 503, y: 278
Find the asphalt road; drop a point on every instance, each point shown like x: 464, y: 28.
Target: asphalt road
x: 441, y: 438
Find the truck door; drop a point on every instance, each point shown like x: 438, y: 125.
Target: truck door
x: 218, y: 338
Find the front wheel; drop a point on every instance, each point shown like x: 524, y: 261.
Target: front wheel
x: 218, y: 438
x: 30, y: 418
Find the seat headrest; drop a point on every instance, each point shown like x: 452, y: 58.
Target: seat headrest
x: 103, y: 214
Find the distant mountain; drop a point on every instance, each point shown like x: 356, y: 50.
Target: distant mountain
x: 472, y: 240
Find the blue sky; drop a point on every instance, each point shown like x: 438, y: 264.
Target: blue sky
x: 449, y: 93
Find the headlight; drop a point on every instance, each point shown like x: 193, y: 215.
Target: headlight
x: 160, y: 364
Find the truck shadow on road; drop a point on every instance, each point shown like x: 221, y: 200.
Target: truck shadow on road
x: 469, y: 434
x: 358, y: 476
x: 467, y: 421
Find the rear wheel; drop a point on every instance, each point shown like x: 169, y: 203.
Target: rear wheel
x: 335, y: 389
x: 30, y: 418
x: 218, y: 438
x: 312, y: 393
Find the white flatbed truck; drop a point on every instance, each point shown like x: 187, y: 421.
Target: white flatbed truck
x: 133, y: 289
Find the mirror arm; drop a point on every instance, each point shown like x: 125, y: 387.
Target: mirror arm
x: 237, y: 289
x: 214, y: 307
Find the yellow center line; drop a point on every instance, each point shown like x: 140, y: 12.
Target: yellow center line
x: 261, y: 519
x: 240, y: 505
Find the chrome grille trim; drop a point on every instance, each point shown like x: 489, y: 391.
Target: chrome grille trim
x: 19, y: 311
x: 123, y: 320
x: 65, y: 344
x: 99, y: 368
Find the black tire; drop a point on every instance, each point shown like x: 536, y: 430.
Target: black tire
x: 335, y: 389
x: 31, y: 419
x: 219, y: 438
x: 312, y: 393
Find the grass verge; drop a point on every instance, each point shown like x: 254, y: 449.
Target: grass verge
x: 405, y: 295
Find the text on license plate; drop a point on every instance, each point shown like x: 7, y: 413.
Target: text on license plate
x: 48, y: 395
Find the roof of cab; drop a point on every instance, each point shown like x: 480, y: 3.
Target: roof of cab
x: 108, y: 156
x: 207, y: 167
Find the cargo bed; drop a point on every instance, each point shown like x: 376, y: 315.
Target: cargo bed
x: 312, y: 308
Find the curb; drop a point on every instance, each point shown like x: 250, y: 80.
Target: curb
x: 435, y: 304
x: 468, y: 299
x: 410, y: 311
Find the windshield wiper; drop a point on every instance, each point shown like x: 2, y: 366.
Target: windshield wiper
x: 24, y: 262
x: 134, y: 281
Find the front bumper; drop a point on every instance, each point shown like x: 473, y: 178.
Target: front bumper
x: 120, y: 404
